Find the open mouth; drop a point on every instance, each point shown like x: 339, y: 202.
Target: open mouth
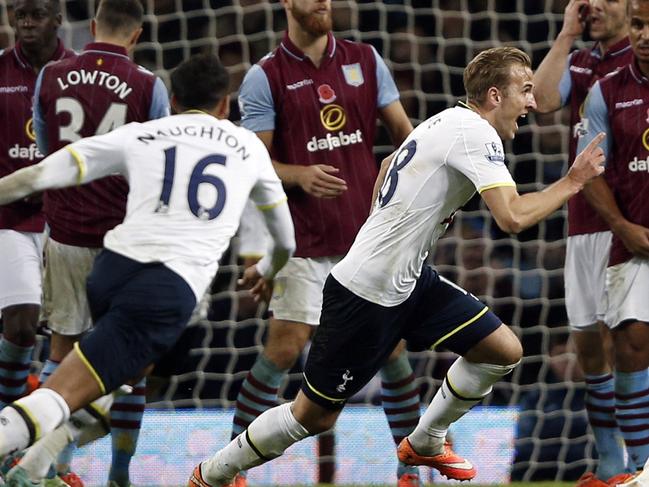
x: 520, y: 118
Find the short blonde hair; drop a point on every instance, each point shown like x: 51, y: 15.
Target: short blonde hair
x: 492, y: 67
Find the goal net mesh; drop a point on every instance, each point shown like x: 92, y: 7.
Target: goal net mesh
x: 426, y: 44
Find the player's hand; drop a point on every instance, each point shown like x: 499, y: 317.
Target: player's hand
x: 319, y: 181
x: 589, y: 163
x: 259, y: 287
x: 574, y: 17
x: 635, y: 238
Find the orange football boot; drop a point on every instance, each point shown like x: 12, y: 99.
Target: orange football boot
x: 448, y: 463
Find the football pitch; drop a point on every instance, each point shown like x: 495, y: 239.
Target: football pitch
x: 465, y: 484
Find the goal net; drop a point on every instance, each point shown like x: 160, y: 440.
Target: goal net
x: 426, y: 44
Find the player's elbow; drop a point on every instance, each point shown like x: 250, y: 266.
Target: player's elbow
x: 510, y: 223
x: 545, y: 103
x: 289, y: 247
x: 284, y: 250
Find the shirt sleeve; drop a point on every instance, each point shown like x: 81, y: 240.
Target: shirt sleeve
x: 267, y: 191
x: 102, y: 155
x: 40, y: 128
x: 387, y: 89
x: 253, y: 234
x: 159, y: 101
x: 595, y: 120
x: 565, y: 84
x: 256, y: 101
x: 480, y: 156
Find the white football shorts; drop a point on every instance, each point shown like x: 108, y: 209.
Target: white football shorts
x: 64, y: 287
x: 21, y: 264
x: 627, y: 292
x: 585, y: 278
x: 297, y: 291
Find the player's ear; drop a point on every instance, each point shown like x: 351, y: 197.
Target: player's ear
x: 134, y: 37
x: 223, y: 107
x: 494, y: 96
x: 93, y: 28
x: 175, y: 107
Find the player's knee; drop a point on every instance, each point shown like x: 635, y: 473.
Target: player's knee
x: 61, y: 345
x: 283, y: 356
x: 512, y: 351
x: 631, y: 349
x: 23, y: 336
x: 317, y: 424
x: 20, y: 324
x: 501, y: 347
x: 285, y: 344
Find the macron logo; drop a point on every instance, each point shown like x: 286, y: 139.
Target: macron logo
x: 627, y: 104
x: 14, y: 89
x: 300, y: 84
x: 580, y: 70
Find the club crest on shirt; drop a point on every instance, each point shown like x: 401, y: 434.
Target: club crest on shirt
x: 326, y: 93
x: 353, y: 74
x: 494, y: 153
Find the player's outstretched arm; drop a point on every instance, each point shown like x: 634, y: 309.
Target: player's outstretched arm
x: 56, y: 171
x: 514, y: 213
x: 548, y: 74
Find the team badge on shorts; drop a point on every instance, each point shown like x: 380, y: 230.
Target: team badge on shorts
x: 346, y: 378
x: 353, y: 74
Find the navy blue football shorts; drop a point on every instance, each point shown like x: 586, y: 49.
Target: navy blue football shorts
x: 138, y: 310
x: 356, y: 336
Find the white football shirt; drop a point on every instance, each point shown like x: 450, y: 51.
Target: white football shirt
x: 437, y: 169
x: 190, y: 176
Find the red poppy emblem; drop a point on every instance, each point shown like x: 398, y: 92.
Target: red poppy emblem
x: 326, y: 94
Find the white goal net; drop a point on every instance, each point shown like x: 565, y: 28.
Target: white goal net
x: 426, y: 44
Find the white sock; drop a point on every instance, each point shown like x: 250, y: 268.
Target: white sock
x: 266, y: 438
x: 465, y: 385
x: 82, y: 417
x: 42, y: 411
x: 14, y: 434
x: 40, y: 456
